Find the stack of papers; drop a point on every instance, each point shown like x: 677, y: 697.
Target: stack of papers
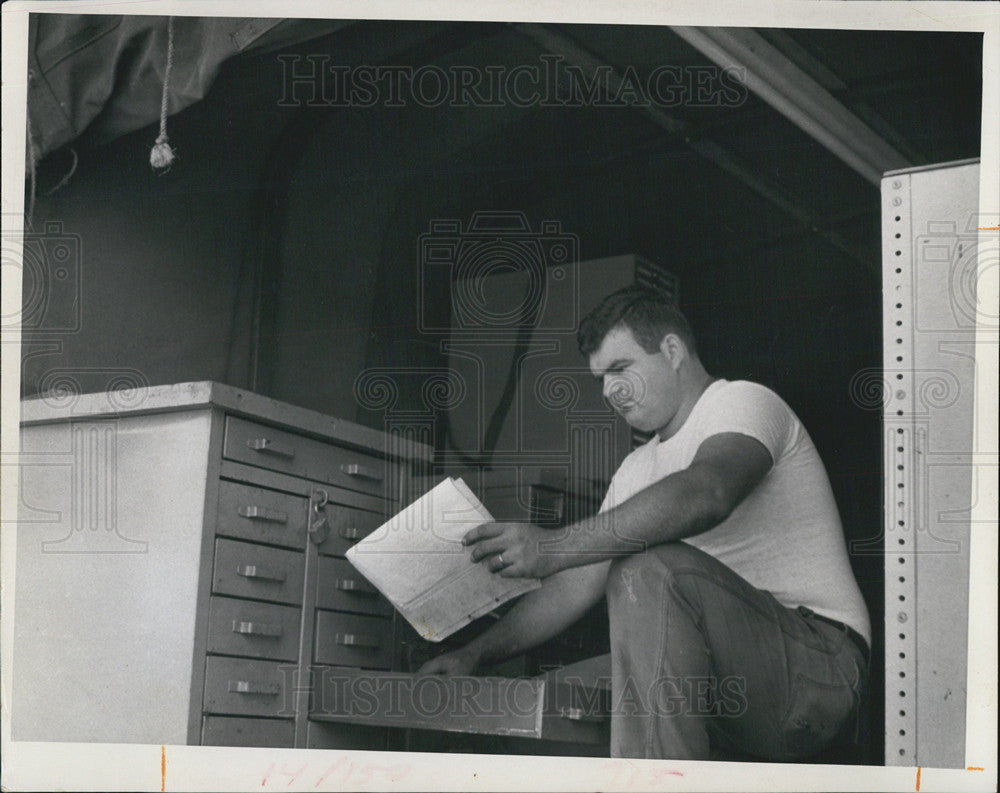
x: 417, y: 560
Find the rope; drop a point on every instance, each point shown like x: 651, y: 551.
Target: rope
x: 29, y: 216
x: 162, y: 155
x: 69, y: 174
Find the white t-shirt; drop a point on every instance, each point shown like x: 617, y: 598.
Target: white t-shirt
x: 785, y: 537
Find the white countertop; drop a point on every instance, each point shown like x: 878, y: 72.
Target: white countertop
x: 205, y: 395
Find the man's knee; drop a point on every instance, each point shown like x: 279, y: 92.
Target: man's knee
x: 667, y: 562
x: 626, y: 572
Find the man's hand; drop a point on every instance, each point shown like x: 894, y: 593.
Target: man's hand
x: 512, y: 549
x: 458, y: 662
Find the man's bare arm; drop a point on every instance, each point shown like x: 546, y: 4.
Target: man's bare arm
x: 725, y: 470
x: 541, y: 614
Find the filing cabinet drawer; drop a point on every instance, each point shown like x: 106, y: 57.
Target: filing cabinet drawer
x: 574, y: 708
x: 234, y: 731
x: 342, y: 587
x: 267, y: 447
x: 258, y: 630
x: 358, y: 737
x: 260, y: 515
x: 256, y: 571
x: 238, y: 687
x: 350, y: 640
x: 348, y: 525
x: 489, y: 705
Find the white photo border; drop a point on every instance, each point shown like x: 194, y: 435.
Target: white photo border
x: 29, y: 766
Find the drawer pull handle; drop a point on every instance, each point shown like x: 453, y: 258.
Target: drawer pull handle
x: 351, y: 585
x: 361, y: 471
x: 257, y: 629
x: 262, y: 514
x: 267, y: 446
x: 357, y: 640
x: 254, y: 687
x: 579, y: 714
x: 260, y: 572
x: 349, y: 532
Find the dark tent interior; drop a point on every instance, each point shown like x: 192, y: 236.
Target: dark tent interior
x: 281, y: 250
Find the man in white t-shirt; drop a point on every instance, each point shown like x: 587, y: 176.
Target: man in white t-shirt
x: 736, y: 624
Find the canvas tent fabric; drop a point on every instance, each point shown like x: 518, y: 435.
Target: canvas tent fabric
x: 102, y: 76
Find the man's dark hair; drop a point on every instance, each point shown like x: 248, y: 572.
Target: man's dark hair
x: 649, y: 314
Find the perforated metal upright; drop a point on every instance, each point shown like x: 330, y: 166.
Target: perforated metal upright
x: 930, y: 250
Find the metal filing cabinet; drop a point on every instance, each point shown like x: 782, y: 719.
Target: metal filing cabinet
x: 180, y: 574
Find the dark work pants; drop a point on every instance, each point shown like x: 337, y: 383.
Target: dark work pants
x: 704, y: 664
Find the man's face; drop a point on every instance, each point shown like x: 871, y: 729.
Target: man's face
x: 642, y: 387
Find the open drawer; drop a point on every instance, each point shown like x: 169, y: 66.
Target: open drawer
x: 555, y: 707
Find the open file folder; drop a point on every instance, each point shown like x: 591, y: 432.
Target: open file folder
x: 418, y: 562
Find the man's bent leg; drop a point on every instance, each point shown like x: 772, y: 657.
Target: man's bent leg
x: 698, y: 654
x: 655, y: 642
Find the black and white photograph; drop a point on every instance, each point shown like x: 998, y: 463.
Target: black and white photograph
x: 438, y: 397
